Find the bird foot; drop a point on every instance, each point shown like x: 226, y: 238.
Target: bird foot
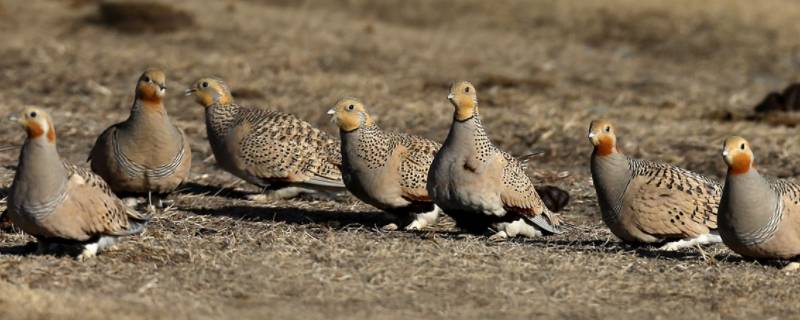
x: 131, y: 202
x: 424, y: 219
x: 415, y: 226
x: 792, y: 266
x: 389, y: 227
x: 89, y: 252
x: 500, y: 236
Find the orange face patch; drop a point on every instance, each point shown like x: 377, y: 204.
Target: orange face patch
x: 465, y: 106
x: 51, y: 132
x: 605, y: 145
x: 148, y: 93
x: 33, y: 129
x: 740, y: 164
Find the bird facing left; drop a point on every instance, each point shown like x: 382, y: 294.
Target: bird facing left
x: 60, y: 203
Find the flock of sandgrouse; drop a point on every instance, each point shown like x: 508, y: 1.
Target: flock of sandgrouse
x: 414, y: 179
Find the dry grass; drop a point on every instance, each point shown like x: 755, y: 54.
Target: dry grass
x: 664, y: 71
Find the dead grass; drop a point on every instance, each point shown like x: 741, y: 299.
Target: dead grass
x: 663, y: 71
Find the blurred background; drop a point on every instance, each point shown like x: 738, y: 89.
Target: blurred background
x: 676, y: 77
x: 667, y: 72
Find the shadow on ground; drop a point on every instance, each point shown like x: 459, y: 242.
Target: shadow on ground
x: 335, y: 219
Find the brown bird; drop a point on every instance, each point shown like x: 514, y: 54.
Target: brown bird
x: 479, y: 185
x: 147, y: 152
x: 651, y: 202
x: 385, y: 169
x: 60, y: 203
x: 758, y: 217
x: 271, y: 149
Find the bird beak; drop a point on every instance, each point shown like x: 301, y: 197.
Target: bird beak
x: 725, y: 153
x: 591, y: 135
x: 189, y: 91
x: 450, y: 96
x: 17, y: 119
x: 331, y: 112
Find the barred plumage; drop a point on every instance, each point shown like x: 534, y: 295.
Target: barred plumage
x: 388, y: 170
x: 643, y: 201
x: 268, y: 148
x: 481, y: 186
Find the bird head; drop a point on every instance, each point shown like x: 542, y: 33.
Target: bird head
x: 152, y: 85
x: 210, y: 91
x: 465, y: 99
x: 36, y: 123
x: 602, y: 137
x: 737, y: 155
x: 349, y: 114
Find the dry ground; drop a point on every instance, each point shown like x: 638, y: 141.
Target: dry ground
x: 676, y: 76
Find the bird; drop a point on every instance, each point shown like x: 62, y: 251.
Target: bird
x: 759, y: 217
x: 481, y: 186
x: 60, y: 203
x: 647, y: 202
x: 146, y: 153
x: 273, y: 150
x: 387, y: 170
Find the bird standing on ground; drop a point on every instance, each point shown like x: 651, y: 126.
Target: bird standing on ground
x: 60, y: 203
x: 758, y: 217
x: 651, y: 202
x: 271, y: 149
x: 147, y: 152
x: 479, y: 185
x: 385, y: 169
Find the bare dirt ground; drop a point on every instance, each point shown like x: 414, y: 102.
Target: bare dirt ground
x: 676, y: 76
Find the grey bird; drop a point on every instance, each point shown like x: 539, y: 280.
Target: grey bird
x: 60, y: 203
x: 651, y: 202
x: 479, y: 185
x: 759, y: 217
x: 147, y: 152
x: 385, y: 169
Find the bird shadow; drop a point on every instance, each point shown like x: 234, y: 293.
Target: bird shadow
x: 648, y: 251
x: 334, y: 219
x: 19, y: 250
x: 193, y: 188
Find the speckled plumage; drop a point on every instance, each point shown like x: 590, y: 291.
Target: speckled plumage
x: 650, y: 202
x: 388, y: 170
x: 146, y: 152
x: 481, y: 186
x: 265, y: 147
x: 759, y: 217
x: 58, y: 202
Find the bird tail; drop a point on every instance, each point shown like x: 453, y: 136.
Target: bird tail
x: 550, y: 222
x: 137, y: 222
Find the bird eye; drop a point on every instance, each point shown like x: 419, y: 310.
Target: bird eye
x: 350, y: 107
x: 608, y: 129
x: 204, y: 84
x: 741, y: 146
x: 146, y: 79
x: 466, y: 89
x: 33, y: 114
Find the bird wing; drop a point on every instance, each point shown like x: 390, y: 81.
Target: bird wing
x: 671, y: 201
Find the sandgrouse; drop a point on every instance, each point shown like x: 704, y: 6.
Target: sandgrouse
x: 385, y: 169
x: 60, y: 203
x: 145, y: 153
x: 758, y: 217
x: 651, y: 202
x: 271, y: 149
x: 479, y: 185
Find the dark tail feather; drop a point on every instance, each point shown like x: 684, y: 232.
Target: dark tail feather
x: 554, y: 198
